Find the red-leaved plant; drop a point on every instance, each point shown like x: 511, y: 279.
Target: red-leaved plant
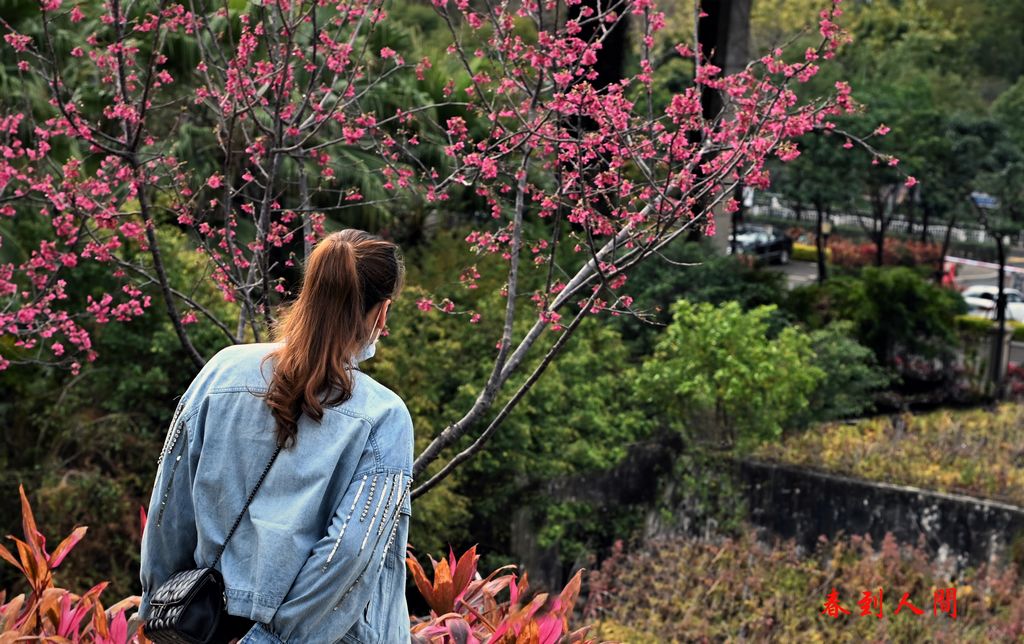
x: 465, y: 608
x: 53, y: 614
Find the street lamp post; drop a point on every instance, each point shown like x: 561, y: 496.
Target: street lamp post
x: 1002, y: 241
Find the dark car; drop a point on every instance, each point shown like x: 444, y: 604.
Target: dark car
x: 763, y: 243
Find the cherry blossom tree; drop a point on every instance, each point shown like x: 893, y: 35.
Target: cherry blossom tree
x: 582, y: 180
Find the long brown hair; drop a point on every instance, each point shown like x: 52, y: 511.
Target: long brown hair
x: 347, y: 274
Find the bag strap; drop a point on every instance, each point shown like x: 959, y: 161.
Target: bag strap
x: 241, y: 514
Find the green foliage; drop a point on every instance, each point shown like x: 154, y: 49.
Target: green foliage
x: 893, y: 310
x: 580, y: 417
x: 579, y: 528
x: 808, y: 253
x: 974, y: 327
x: 972, y: 452
x: 721, y: 374
x: 1008, y: 109
x: 706, y: 276
x: 685, y: 590
x: 852, y: 375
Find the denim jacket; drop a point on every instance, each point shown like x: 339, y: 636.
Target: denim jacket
x: 319, y: 555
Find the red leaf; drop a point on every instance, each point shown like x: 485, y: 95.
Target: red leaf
x: 28, y: 523
x: 571, y: 591
x: 6, y: 555
x: 464, y: 570
x: 444, y: 591
x: 420, y: 577
x: 119, y: 628
x: 65, y: 546
x: 34, y: 566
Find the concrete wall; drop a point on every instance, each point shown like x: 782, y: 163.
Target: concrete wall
x: 803, y: 504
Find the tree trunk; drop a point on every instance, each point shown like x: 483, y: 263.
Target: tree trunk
x: 723, y: 38
x: 820, y: 243
x: 945, y: 247
x: 925, y: 220
x: 880, y: 245
x: 878, y: 205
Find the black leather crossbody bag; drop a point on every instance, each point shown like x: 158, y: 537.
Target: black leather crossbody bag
x: 187, y: 608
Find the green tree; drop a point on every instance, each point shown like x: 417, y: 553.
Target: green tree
x: 852, y: 374
x: 720, y: 374
x: 1008, y: 109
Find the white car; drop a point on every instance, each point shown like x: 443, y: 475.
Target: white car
x: 981, y: 301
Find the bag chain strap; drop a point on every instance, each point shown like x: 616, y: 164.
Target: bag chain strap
x: 252, y: 495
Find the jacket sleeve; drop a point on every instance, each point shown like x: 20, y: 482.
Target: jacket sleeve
x: 335, y: 585
x: 169, y: 539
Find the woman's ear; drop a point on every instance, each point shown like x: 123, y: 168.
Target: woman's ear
x: 382, y: 315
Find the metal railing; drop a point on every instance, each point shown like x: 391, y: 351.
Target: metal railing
x: 960, y: 233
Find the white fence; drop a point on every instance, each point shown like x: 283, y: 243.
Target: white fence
x: 962, y: 234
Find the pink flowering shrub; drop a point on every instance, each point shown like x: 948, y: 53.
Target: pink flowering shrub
x: 896, y: 252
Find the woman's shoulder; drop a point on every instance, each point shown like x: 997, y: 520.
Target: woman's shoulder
x: 252, y: 351
x: 373, y: 399
x: 389, y: 431
x: 242, y: 364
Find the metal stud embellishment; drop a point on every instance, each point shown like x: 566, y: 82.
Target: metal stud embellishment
x: 394, y: 485
x: 373, y: 519
x: 171, y: 440
x: 388, y: 518
x: 394, y: 524
x: 344, y: 526
x: 167, y: 491
x: 369, y: 499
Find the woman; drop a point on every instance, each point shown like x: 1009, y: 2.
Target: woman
x: 319, y: 554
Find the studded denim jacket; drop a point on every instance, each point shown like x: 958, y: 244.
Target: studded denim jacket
x: 319, y: 555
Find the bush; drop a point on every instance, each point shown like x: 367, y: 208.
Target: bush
x: 852, y: 374
x: 720, y: 373
x: 973, y: 326
x: 896, y: 252
x: 719, y: 589
x: 895, y: 311
x: 808, y: 253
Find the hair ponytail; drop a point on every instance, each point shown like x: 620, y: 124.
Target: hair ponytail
x: 347, y: 274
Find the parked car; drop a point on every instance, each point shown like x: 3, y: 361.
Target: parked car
x: 980, y: 307
x: 763, y: 243
x: 981, y: 301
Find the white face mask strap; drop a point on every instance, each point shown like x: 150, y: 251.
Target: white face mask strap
x: 376, y: 322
